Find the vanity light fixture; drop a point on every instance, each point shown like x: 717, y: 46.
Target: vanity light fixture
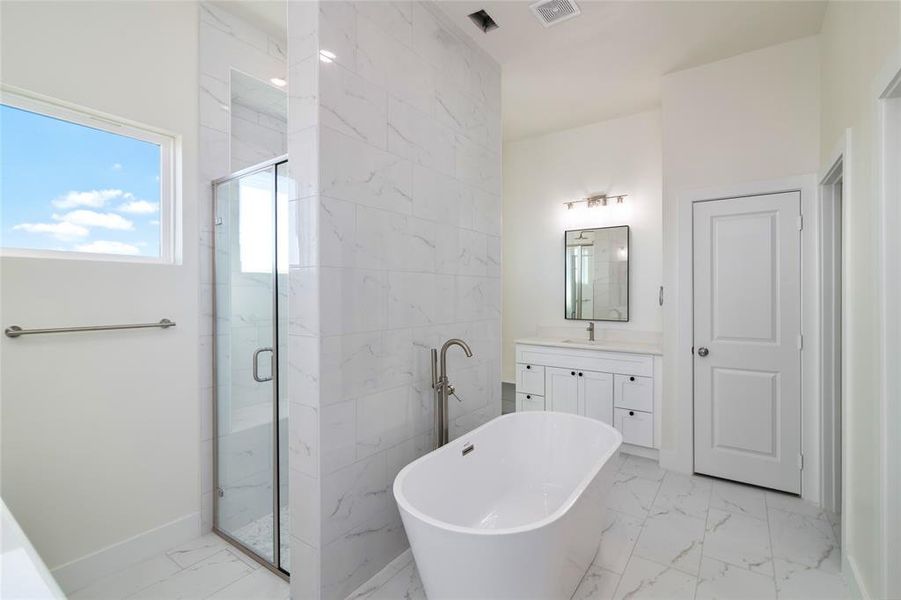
x: 592, y: 201
x: 327, y: 56
x: 278, y: 81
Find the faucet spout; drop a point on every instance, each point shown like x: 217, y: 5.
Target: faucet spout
x: 446, y: 347
x: 443, y: 388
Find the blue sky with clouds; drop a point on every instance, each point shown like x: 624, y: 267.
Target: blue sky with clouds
x: 68, y: 187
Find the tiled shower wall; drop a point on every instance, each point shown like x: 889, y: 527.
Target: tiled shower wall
x: 226, y: 42
x: 395, y: 147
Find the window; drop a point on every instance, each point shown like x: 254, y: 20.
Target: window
x: 80, y: 185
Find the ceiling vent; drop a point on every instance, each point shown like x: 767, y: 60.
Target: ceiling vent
x: 483, y: 21
x: 551, y: 12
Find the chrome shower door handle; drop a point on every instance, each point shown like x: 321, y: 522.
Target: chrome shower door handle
x: 256, y: 365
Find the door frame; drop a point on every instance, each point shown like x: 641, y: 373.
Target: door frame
x: 889, y: 114
x: 837, y: 175
x: 679, y: 451
x: 787, y: 473
x: 275, y: 565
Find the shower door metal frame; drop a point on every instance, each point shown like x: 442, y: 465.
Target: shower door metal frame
x: 275, y: 565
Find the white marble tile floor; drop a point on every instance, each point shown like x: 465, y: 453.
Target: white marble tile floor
x: 667, y: 536
x: 207, y: 567
x: 674, y: 537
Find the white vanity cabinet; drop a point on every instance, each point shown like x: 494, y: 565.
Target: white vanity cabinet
x: 580, y: 392
x: 619, y: 387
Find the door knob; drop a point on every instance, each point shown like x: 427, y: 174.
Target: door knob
x: 702, y: 351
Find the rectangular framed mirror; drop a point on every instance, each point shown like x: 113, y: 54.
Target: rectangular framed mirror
x: 597, y: 274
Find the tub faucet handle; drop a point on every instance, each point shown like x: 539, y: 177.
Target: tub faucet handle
x: 452, y: 391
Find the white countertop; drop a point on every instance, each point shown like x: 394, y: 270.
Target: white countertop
x: 635, y: 347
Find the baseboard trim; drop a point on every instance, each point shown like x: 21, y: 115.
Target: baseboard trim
x: 853, y: 578
x: 381, y: 578
x: 83, y: 571
x: 651, y: 453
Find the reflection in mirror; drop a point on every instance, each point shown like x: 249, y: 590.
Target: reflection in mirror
x: 259, y: 121
x: 597, y: 274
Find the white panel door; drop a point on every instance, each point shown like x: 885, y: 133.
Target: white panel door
x: 562, y: 390
x: 747, y: 325
x: 597, y: 395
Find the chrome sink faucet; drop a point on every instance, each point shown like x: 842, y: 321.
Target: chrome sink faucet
x: 590, y: 330
x: 443, y: 388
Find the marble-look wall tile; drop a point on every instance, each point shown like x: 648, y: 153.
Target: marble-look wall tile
x: 388, y: 62
x: 355, y: 494
x: 393, y: 18
x: 338, y: 31
x: 234, y: 26
x: 339, y: 435
x: 387, y: 418
x: 351, y: 559
x: 305, y: 308
x: 214, y: 102
x: 357, y: 364
x: 353, y: 300
x: 354, y: 171
x: 417, y: 136
x: 416, y: 299
x: 226, y: 42
x: 397, y: 145
x: 303, y: 31
x: 353, y: 106
x: 441, y: 47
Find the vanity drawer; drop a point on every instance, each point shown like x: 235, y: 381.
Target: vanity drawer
x: 636, y: 426
x: 630, y: 391
x: 529, y: 402
x: 530, y: 379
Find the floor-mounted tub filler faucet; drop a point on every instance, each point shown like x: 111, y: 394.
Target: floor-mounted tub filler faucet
x: 443, y: 388
x: 590, y: 330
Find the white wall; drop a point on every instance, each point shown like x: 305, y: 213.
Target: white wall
x: 749, y: 118
x: 99, y: 430
x: 399, y: 217
x: 860, y: 47
x: 620, y: 156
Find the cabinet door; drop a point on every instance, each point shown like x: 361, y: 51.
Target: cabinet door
x: 562, y: 390
x: 597, y: 395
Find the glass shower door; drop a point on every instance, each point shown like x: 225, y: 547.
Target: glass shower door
x: 246, y: 362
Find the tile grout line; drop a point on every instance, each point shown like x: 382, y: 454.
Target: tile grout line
x: 643, y: 523
x: 238, y: 558
x: 703, y: 538
x: 769, y: 530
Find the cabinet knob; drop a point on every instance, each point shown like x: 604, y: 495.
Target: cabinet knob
x: 528, y: 366
x: 528, y: 396
x: 631, y: 379
x: 580, y: 374
x: 572, y: 372
x: 631, y: 413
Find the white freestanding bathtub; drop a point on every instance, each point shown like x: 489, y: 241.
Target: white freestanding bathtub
x: 513, y: 509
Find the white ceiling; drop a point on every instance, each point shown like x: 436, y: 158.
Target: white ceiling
x: 608, y: 61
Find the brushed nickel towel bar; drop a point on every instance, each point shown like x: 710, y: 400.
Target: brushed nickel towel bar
x: 15, y: 331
